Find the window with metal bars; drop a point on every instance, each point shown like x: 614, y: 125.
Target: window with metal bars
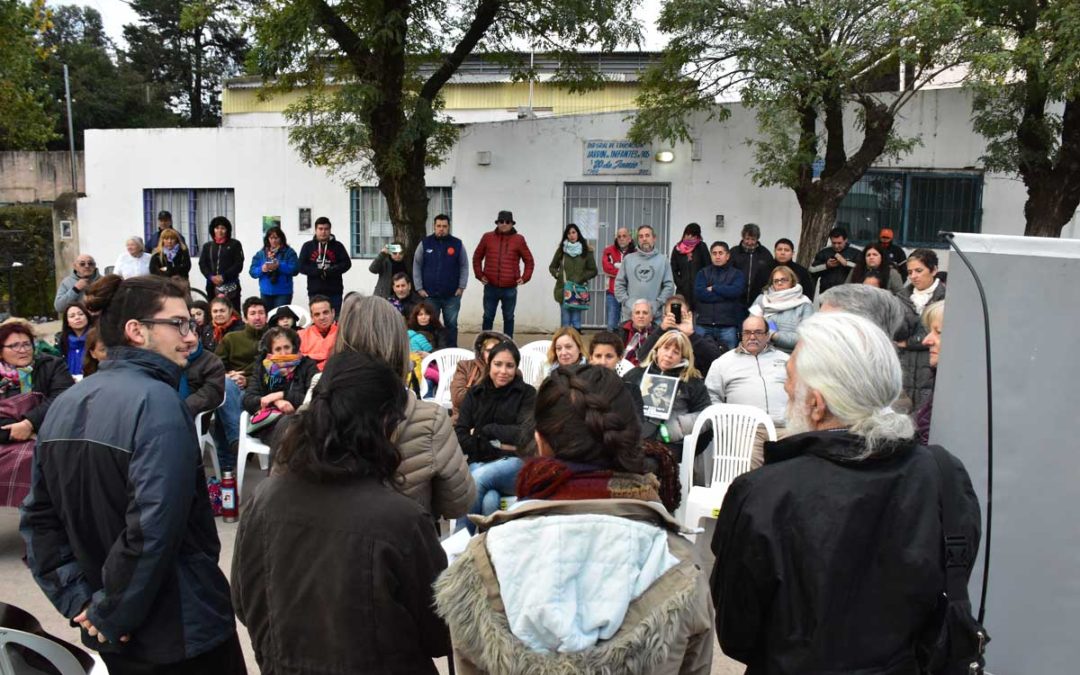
x: 369, y: 217
x: 191, y: 209
x: 916, y: 205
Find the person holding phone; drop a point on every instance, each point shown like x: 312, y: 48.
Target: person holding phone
x: 677, y: 317
x: 784, y: 306
x: 833, y: 263
x: 389, y: 263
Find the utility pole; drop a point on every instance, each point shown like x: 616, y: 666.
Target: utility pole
x: 71, y: 134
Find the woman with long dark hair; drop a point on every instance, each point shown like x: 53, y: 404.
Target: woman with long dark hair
x: 330, y: 532
x: 275, y: 265
x: 72, y: 338
x: 875, y: 260
x: 573, y: 262
x: 222, y: 261
x: 690, y: 256
x: 588, y: 573
x: 924, y: 290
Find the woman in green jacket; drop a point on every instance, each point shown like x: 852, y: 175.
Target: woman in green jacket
x: 574, y: 261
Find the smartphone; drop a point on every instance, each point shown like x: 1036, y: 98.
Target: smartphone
x: 394, y: 248
x: 676, y: 309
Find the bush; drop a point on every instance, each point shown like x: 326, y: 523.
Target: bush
x: 26, y: 236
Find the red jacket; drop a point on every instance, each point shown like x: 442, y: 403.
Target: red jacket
x: 496, y: 259
x: 610, y: 260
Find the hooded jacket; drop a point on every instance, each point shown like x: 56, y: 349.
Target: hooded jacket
x: 225, y: 259
x: 570, y: 613
x: 498, y: 259
x: 644, y: 276
x: 119, y: 516
x: 324, y: 264
x: 827, y: 564
x: 67, y: 294
x: 435, y: 469
x: 750, y: 263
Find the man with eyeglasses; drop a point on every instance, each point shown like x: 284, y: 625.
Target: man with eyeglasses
x: 73, y: 286
x: 118, y: 527
x: 753, y: 374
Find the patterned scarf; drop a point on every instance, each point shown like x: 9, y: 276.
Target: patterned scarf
x: 171, y: 251
x: 549, y: 478
x: 278, y: 370
x: 687, y: 246
x: 16, y: 377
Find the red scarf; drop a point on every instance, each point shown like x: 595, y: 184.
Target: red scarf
x: 220, y: 241
x: 549, y: 478
x: 219, y: 331
x: 687, y: 246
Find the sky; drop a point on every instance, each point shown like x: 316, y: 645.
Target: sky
x: 116, y: 13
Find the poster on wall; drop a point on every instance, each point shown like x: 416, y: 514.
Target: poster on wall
x: 270, y: 221
x: 305, y: 220
x: 587, y: 219
x: 616, y: 158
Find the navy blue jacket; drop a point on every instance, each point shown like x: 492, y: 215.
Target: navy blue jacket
x: 722, y: 306
x: 118, y: 514
x: 440, y: 266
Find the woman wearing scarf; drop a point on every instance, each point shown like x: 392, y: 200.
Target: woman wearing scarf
x: 72, y: 338
x: 925, y: 288
x: 21, y: 372
x: 222, y: 261
x: 223, y: 320
x: 690, y: 256
x: 275, y: 265
x: 280, y: 382
x: 171, y: 258
x: 783, y: 306
x: 588, y: 572
x: 573, y: 261
x: 135, y: 261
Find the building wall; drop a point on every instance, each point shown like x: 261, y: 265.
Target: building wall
x: 531, y: 160
x: 27, y: 177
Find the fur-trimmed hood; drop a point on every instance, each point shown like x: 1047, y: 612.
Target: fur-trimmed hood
x: 665, y: 628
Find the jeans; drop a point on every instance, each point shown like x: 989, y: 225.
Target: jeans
x: 274, y: 301
x: 614, y: 312
x: 335, y: 302
x: 723, y: 335
x: 226, y: 430
x: 492, y: 297
x: 571, y: 317
x: 493, y: 480
x: 450, y: 307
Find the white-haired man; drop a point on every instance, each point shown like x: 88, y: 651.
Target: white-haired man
x: 830, y: 558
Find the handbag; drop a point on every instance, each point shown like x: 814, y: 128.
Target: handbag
x: 227, y: 288
x: 575, y: 295
x: 14, y: 408
x: 266, y: 417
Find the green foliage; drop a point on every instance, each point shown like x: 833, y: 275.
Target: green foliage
x: 34, y: 283
x: 25, y: 120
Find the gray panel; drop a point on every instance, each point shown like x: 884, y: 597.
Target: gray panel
x: 1033, y: 605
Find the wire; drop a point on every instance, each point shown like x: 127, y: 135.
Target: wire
x: 949, y: 237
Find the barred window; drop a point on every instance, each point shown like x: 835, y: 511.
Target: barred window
x: 191, y: 209
x: 370, y: 217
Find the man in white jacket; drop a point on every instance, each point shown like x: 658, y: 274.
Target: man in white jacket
x: 753, y: 374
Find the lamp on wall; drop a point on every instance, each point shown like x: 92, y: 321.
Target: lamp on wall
x: 665, y: 156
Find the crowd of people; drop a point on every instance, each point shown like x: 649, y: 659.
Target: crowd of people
x: 568, y: 482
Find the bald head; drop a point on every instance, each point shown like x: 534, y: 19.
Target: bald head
x: 755, y: 334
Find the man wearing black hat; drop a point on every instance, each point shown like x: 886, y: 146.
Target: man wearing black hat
x: 164, y: 221
x: 497, y: 264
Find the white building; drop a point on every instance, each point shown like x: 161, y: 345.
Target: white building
x: 537, y: 169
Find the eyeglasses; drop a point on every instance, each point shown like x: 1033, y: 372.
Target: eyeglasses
x: 780, y: 280
x: 504, y: 222
x: 20, y: 346
x: 755, y: 333
x: 183, y: 326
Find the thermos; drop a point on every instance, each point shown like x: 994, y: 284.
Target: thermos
x: 229, y: 509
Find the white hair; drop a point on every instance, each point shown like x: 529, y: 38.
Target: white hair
x: 642, y: 301
x: 853, y: 365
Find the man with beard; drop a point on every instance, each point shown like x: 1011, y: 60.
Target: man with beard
x: 754, y: 373
x: 831, y: 557
x: 644, y: 274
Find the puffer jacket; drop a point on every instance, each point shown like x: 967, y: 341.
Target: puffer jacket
x: 435, y: 470
x: 665, y: 630
x: 915, y: 357
x: 206, y: 381
x: 119, y: 516
x: 498, y: 257
x: 579, y: 268
x: 787, y: 322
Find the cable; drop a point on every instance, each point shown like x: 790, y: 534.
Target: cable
x: 949, y: 237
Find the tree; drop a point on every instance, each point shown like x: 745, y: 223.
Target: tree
x: 804, y: 67
x: 187, y: 47
x: 1027, y: 103
x: 372, y: 74
x: 103, y: 94
x: 25, y: 122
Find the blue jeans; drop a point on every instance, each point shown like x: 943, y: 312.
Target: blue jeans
x: 273, y: 301
x: 493, y: 480
x: 725, y: 335
x: 335, y: 302
x: 492, y: 297
x: 450, y: 307
x: 571, y: 317
x: 614, y: 312
x: 226, y: 430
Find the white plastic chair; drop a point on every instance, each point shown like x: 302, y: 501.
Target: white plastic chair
x: 249, y: 445
x: 534, y: 365
x: 623, y: 367
x: 446, y: 360
x: 58, y: 657
x: 734, y: 428
x: 206, y: 440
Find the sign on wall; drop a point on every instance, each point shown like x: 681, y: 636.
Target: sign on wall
x: 617, y: 157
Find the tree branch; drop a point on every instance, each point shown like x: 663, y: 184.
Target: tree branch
x: 485, y: 15
x: 346, y: 37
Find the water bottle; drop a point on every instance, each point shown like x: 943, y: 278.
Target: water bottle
x: 229, y: 508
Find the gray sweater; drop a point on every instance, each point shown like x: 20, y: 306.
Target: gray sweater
x: 644, y: 276
x: 67, y: 293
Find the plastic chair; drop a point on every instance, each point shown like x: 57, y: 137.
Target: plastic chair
x: 623, y: 367
x: 206, y: 439
x: 21, y: 633
x: 446, y: 360
x: 249, y: 445
x: 534, y: 365
x: 734, y: 429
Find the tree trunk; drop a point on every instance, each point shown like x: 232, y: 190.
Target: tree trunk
x: 197, y: 80
x: 819, y: 205
x: 407, y: 202
x: 1049, y: 208
x: 1053, y: 186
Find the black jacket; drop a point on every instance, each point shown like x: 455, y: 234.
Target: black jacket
x: 295, y: 390
x: 691, y: 398
x: 722, y: 306
x: 118, y: 514
x: 314, y: 559
x: 801, y: 273
x: 684, y: 270
x: 323, y: 265
x: 490, y: 414
x: 833, y: 276
x: 225, y: 259
x: 51, y: 378
x: 750, y: 263
x: 179, y: 267
x: 825, y: 564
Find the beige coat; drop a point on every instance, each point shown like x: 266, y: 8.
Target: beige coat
x: 666, y: 630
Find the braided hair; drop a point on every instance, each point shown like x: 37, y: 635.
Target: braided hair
x: 586, y: 414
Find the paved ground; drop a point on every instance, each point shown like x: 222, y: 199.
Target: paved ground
x: 17, y: 587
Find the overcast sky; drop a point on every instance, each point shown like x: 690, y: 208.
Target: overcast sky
x: 116, y: 13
